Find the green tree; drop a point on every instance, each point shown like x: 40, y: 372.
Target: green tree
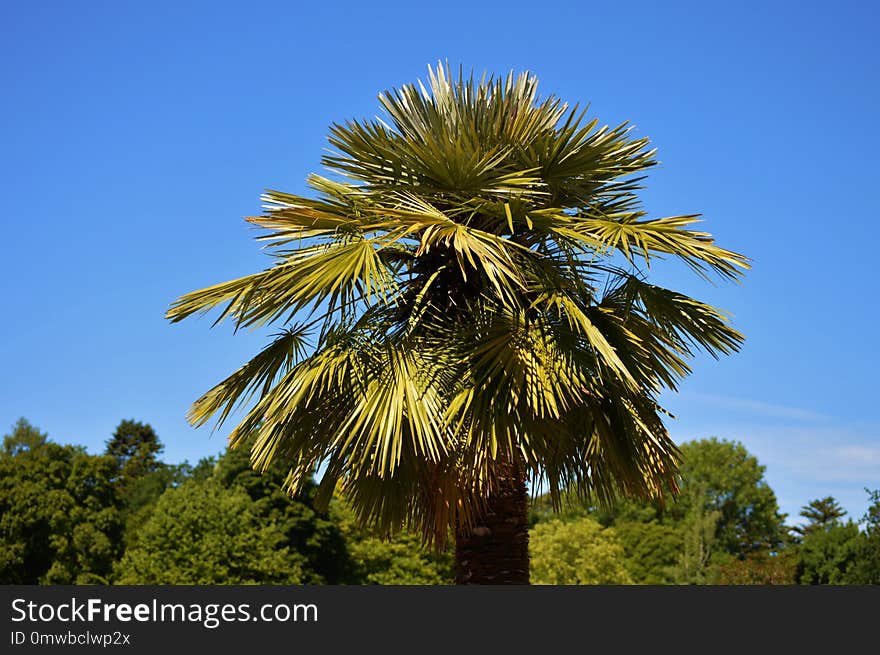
x: 313, y: 534
x: 866, y: 568
x: 578, y: 552
x: 399, y: 559
x: 203, y: 533
x: 731, y: 482
x: 627, y: 510
x: 143, y: 492
x: 23, y: 437
x: 135, y: 447
x: 828, y: 556
x: 59, y: 512
x: 820, y: 514
x: 699, y: 531
x: 141, y: 477
x: 651, y: 550
x: 469, y: 324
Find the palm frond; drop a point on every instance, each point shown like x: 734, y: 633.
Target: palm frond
x: 307, y: 278
x: 259, y: 374
x: 633, y: 237
x: 465, y: 311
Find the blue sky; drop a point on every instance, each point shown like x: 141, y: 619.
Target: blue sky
x: 136, y: 136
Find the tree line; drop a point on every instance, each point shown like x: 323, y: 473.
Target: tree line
x: 127, y: 517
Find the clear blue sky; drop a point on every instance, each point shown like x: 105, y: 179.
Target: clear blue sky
x: 135, y: 136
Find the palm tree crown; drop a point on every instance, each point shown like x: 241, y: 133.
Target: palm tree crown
x: 473, y: 295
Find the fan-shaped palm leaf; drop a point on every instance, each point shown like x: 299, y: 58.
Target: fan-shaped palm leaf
x: 450, y: 289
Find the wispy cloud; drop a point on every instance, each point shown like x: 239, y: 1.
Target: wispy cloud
x: 751, y: 407
x: 828, y: 453
x: 861, y: 455
x: 803, y: 461
x: 806, y: 454
x: 830, y: 458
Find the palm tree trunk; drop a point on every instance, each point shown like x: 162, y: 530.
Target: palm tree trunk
x: 496, y: 549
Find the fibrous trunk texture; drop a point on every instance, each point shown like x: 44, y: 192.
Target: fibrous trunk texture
x: 496, y: 549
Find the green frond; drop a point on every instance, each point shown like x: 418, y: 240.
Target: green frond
x: 306, y: 278
x: 578, y: 320
x: 259, y: 374
x: 684, y: 319
x: 633, y: 237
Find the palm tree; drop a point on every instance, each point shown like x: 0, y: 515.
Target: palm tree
x: 463, y: 310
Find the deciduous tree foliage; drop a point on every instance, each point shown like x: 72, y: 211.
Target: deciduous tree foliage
x: 827, y: 556
x: 204, y: 533
x: 59, y: 512
x: 730, y: 481
x: 311, y: 533
x: 726, y: 511
x: 578, y: 552
x: 454, y: 318
x: 142, y: 493
x: 399, y: 559
x: 699, y: 530
x: 23, y: 437
x: 651, y: 550
x: 866, y: 569
x: 836, y: 552
x: 61, y: 521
